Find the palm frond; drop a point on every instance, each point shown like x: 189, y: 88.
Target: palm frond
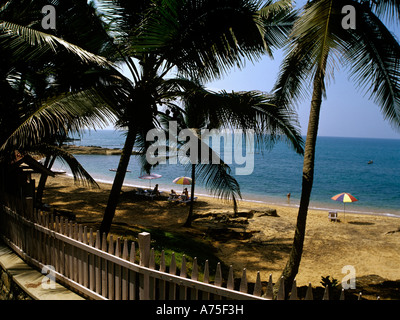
x: 206, y: 37
x: 79, y: 173
x: 275, y: 21
x: 315, y: 46
x: 211, y: 170
x: 75, y: 110
x: 250, y: 110
x: 28, y: 43
x: 386, y: 8
x: 373, y: 57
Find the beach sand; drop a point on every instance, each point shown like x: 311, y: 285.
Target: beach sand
x: 369, y: 243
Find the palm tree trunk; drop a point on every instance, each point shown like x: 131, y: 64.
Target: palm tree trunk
x: 188, y: 222
x: 291, y: 269
x: 118, y: 182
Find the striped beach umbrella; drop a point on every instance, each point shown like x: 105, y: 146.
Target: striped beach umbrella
x: 150, y: 177
x: 183, y: 180
x: 344, y: 197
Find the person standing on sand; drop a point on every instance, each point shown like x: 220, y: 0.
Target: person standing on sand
x: 288, y: 197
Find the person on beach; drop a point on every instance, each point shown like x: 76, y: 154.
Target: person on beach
x: 185, y: 194
x: 155, y: 191
x: 288, y: 197
x: 173, y: 195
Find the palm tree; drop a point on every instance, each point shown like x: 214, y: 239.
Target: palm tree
x: 205, y: 109
x: 201, y: 109
x: 198, y: 39
x: 39, y: 99
x: 317, y: 44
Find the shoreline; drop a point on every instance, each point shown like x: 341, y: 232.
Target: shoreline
x: 368, y: 242
x: 317, y: 201
x: 271, y: 201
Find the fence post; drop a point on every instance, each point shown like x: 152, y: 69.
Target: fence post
x: 293, y: 293
x: 132, y: 274
x: 230, y: 283
x: 326, y: 293
x: 269, y: 294
x: 183, y: 274
x: 195, y: 276
x: 144, y: 248
x: 91, y: 262
x: 342, y: 295
x: 309, y: 294
x: 144, y: 254
x: 124, y: 280
x: 97, y: 264
x: 152, y: 281
x: 161, y: 285
x: 206, y: 278
x: 29, y: 207
x: 172, y: 270
x: 243, y: 282
x: 257, y: 286
x: 110, y: 270
x: 104, y: 266
x: 218, y: 276
x: 281, y: 292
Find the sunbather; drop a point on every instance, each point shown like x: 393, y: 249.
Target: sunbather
x: 185, y: 194
x: 155, y: 191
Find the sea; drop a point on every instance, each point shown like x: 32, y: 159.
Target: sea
x: 341, y: 165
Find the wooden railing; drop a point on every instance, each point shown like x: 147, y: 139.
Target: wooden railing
x: 106, y: 268
x: 101, y: 267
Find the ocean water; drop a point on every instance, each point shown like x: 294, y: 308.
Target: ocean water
x: 341, y: 166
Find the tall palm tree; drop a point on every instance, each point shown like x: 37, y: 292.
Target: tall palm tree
x: 204, y: 109
x: 317, y: 44
x: 199, y: 39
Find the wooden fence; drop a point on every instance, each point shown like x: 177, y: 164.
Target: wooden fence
x: 106, y: 268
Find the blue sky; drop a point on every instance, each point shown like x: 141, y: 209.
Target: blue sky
x: 347, y: 112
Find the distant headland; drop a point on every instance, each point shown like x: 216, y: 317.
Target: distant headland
x: 74, y: 149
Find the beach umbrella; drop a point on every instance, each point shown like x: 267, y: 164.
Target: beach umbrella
x: 344, y: 197
x: 150, y: 177
x: 183, y: 180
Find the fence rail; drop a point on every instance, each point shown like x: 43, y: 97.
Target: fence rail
x: 106, y: 268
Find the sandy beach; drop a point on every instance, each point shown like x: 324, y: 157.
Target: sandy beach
x: 258, y: 241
